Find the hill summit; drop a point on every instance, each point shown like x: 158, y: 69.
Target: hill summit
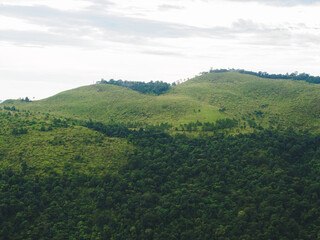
x: 252, y: 100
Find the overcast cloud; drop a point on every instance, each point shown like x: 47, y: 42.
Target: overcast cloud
x: 79, y: 42
x: 282, y: 2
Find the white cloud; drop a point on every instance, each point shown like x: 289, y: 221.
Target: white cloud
x: 282, y: 2
x: 71, y: 5
x: 78, y: 42
x: 168, y: 7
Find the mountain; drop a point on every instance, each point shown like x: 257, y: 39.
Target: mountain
x: 103, y: 102
x: 220, y: 156
x: 268, y: 101
x: 206, y: 98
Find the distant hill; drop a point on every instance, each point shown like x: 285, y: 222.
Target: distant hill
x: 256, y: 102
x: 106, y: 102
x: 292, y: 76
x: 266, y: 101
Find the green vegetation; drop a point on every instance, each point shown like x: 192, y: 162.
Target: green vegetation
x: 106, y: 102
x: 254, y: 101
x: 267, y: 102
x: 44, y: 142
x: 25, y: 99
x: 156, y: 88
x: 293, y: 76
x: 222, y: 156
x: 65, y: 181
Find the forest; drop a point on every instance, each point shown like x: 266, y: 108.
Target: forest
x: 294, y: 76
x: 156, y: 88
x: 257, y: 185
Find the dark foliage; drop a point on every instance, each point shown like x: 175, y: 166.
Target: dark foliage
x: 209, y: 126
x: 262, y: 185
x: 156, y: 88
x: 19, y: 131
x: 10, y: 108
x: 25, y: 99
x: 110, y: 130
x: 294, y: 76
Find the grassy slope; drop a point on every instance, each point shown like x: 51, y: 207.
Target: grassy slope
x: 105, y: 102
x: 285, y: 102
x: 82, y: 148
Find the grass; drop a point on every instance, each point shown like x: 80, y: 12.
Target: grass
x: 102, y: 102
x: 267, y: 102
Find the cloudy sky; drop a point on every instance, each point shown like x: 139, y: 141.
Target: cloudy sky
x: 47, y: 46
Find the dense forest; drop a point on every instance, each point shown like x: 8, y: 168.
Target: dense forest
x: 258, y: 185
x: 157, y: 87
x: 294, y: 76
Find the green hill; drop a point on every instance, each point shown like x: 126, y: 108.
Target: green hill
x: 103, y: 102
x: 252, y: 100
x: 69, y: 168
x: 267, y: 101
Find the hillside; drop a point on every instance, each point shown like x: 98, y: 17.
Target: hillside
x: 102, y: 162
x: 48, y: 144
x: 252, y: 100
x: 62, y: 180
x: 270, y: 102
x: 104, y: 103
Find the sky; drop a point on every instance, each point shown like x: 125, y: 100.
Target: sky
x: 48, y: 46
